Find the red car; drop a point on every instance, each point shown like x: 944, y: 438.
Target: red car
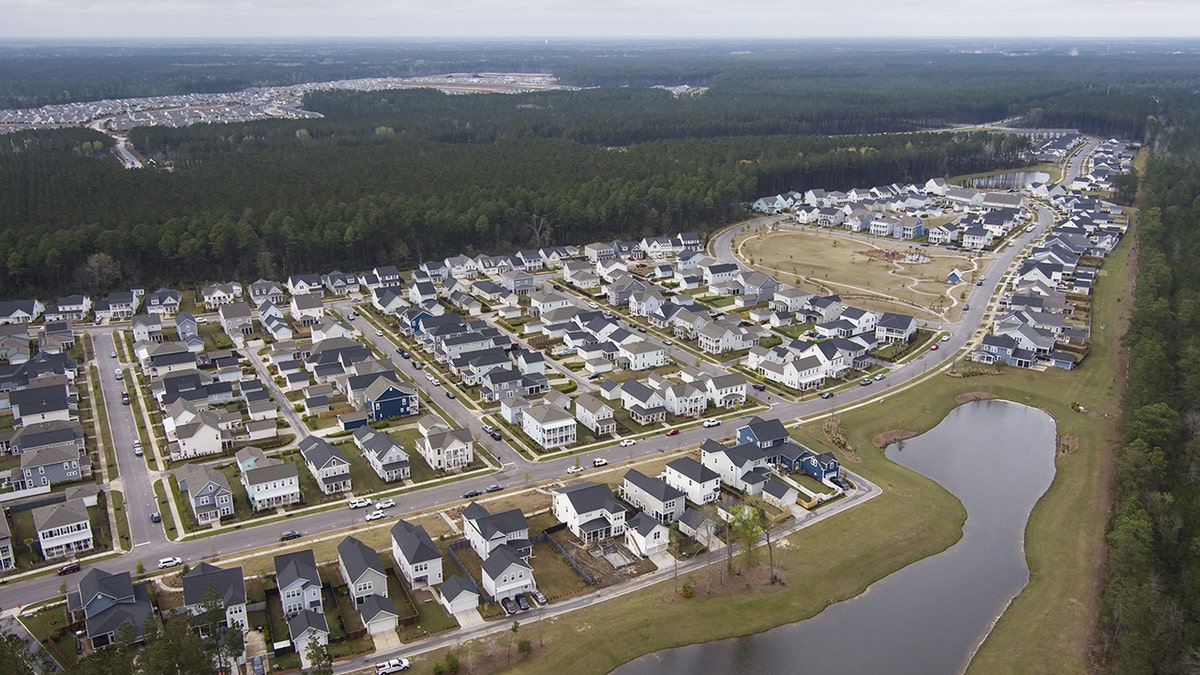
x: 673, y: 432
x: 933, y: 348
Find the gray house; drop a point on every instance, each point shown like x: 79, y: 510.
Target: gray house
x: 207, y: 491
x: 54, y: 464
x: 298, y: 582
x: 362, y: 569
x: 385, y: 454
x: 230, y: 588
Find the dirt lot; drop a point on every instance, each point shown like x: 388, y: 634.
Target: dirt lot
x: 827, y: 263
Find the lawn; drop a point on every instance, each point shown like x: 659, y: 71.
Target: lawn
x: 118, y: 506
x: 51, y: 626
x: 110, y: 453
x: 555, y: 577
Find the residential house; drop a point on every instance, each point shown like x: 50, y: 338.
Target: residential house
x: 20, y: 311
x: 378, y: 614
x: 640, y: 355
x: 697, y: 482
x: 298, y: 582
x: 107, y: 602
x: 595, y: 414
x: 221, y: 294
x: 207, y: 492
x: 263, y: 290
x: 417, y: 557
x: 696, y: 525
x: 518, y: 283
x: 383, y: 453
x: 458, y: 594
x: 305, y: 284
x: 147, y: 328
x: 443, y: 448
x: 653, y: 496
x: 488, y: 531
x: 307, y: 309
x: 589, y: 510
x: 362, y: 570
x: 385, y: 399
x: 306, y: 627
x: 227, y: 586
x: 163, y: 302
x: 236, y: 319
x: 779, y: 494
x: 339, y: 283
x: 63, y: 529
x: 743, y: 467
x: 506, y: 574
x: 764, y: 433
x: 646, y: 536
x: 7, y: 559
x: 327, y: 464
x: 68, y: 308
x: 893, y: 327
x: 116, y: 305
x: 52, y: 465
x: 549, y: 426
x: 269, y: 482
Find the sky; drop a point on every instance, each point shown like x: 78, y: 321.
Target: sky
x: 37, y: 19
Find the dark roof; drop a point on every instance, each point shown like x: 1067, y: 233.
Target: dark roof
x: 490, y: 524
x: 319, y: 452
x: 290, y: 567
x: 456, y: 585
x: 694, y: 470
x: 500, y: 559
x: 229, y: 584
x: 766, y: 430
x: 776, y: 489
x: 373, y: 605
x: 414, y: 542
x: 655, y: 487
x: 642, y: 523
x: 305, y: 619
x: 588, y: 496
x: 357, y: 558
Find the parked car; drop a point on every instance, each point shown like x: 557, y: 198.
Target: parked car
x: 946, y: 338
x: 880, y: 377
x: 522, y: 603
x: 386, y: 503
x: 593, y: 305
x: 488, y: 428
x: 391, y: 666
x: 574, y: 469
x: 359, y: 502
x: 712, y: 422
x: 668, y: 343
x: 256, y: 665
x: 137, y: 448
x: 378, y: 333
x: 933, y: 348
x: 672, y: 432
x: 450, y: 394
x: 865, y: 382
x: 164, y: 563
x: 495, y: 435
x: 124, y: 398
x: 374, y: 515
x: 417, y: 365
x: 113, y: 354
x: 69, y: 568
x: 494, y: 488
x: 758, y: 386
x: 966, y: 306
x: 509, y: 606
x: 404, y: 353
x: 827, y: 394
x: 289, y: 535
x: 155, y: 518
x: 470, y: 494
x: 599, y: 461
x: 120, y: 374
x: 628, y: 442
x: 540, y: 599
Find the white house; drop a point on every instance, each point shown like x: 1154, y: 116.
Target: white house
x: 697, y: 482
x: 506, y: 574
x: 548, y: 425
x: 589, y: 510
x: 646, y: 536
x: 63, y: 529
x: 416, y: 556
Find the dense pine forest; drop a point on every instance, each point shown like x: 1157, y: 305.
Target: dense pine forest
x: 403, y: 176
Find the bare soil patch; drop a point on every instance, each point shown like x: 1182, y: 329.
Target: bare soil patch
x: 969, y: 396
x: 1068, y: 445
x: 888, y: 437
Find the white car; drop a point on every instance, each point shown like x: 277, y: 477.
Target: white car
x: 378, y: 333
x: 945, y: 338
x: 374, y: 515
x: 574, y: 469
x: 599, y: 461
x: 628, y: 442
x: 593, y: 305
x: 359, y: 502
x: 386, y: 504
x: 164, y: 563
x: 711, y: 423
x: 391, y: 666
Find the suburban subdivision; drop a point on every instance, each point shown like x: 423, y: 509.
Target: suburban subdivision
x: 368, y: 465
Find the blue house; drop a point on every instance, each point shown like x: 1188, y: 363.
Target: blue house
x: 763, y: 433
x: 353, y: 420
x: 386, y: 399
x: 820, y: 466
x: 411, y: 318
x: 1004, y: 348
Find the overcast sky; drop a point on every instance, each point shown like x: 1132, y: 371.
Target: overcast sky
x: 597, y: 18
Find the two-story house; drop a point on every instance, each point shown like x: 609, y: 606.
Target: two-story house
x: 63, y: 529
x: 327, y: 464
x: 206, y: 582
x: 416, y: 556
x: 206, y: 490
x: 362, y: 569
x: 443, y: 448
x: 298, y: 582
x: 107, y: 602
x: 548, y: 425
x: 589, y: 510
x: 653, y: 496
x: 486, y: 531
x: 697, y: 482
x: 384, y: 454
x: 269, y: 482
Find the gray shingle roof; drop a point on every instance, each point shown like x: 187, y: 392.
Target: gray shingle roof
x: 229, y: 584
x: 414, y: 542
x: 358, y: 559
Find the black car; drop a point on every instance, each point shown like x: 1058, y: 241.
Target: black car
x: 495, y: 488
x: 470, y: 494
x: 289, y: 535
x: 495, y: 435
x: 522, y: 603
x: 509, y: 606
x: 403, y: 353
x: 759, y: 387
x: 155, y: 518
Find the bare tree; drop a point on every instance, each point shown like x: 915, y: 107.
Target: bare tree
x: 540, y: 227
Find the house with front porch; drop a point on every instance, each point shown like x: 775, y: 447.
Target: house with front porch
x: 595, y: 414
x: 207, y: 492
x: 384, y: 454
x: 589, y: 510
x: 107, y: 602
x: 269, y: 482
x: 488, y: 531
x: 63, y: 529
x: 327, y: 464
